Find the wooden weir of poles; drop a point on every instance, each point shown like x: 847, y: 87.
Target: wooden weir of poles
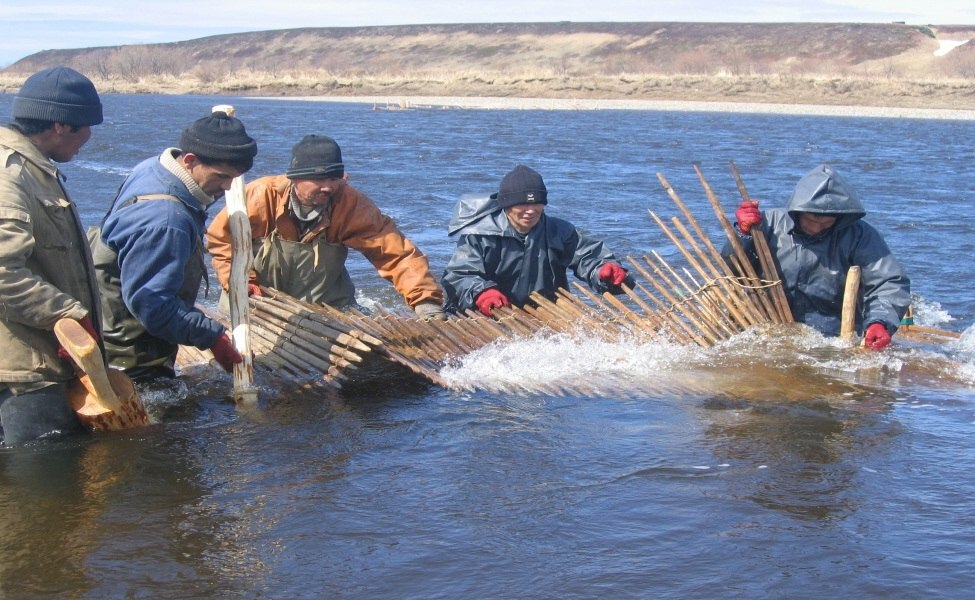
x: 702, y: 302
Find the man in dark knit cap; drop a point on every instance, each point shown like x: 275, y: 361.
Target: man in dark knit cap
x: 306, y: 220
x: 45, y: 267
x: 508, y: 248
x: 149, y: 251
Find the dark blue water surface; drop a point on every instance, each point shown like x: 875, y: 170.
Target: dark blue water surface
x: 763, y: 468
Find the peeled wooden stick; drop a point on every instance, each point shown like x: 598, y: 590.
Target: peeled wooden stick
x: 668, y: 318
x: 705, y: 322
x: 737, y: 303
x: 240, y: 266
x: 765, y: 256
x: 702, y: 333
x: 770, y: 310
x: 738, y: 295
x: 851, y: 293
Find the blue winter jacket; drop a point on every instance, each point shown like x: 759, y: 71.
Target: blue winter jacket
x: 159, y: 247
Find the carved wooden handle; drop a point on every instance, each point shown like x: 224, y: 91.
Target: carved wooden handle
x: 86, y: 354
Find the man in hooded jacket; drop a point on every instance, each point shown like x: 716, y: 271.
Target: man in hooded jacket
x: 815, y: 240
x: 508, y: 248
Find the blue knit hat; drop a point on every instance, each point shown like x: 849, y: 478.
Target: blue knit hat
x: 59, y: 95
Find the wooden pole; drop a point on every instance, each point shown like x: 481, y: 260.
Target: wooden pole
x: 753, y: 313
x: 106, y: 399
x: 765, y: 256
x: 241, y: 261
x: 765, y: 302
x: 850, y: 294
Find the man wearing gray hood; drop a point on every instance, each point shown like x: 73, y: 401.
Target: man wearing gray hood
x: 815, y: 240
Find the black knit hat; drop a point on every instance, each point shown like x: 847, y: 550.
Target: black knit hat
x: 218, y: 137
x: 59, y: 95
x: 316, y: 157
x: 522, y: 185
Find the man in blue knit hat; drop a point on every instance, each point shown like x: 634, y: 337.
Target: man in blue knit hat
x: 46, y: 271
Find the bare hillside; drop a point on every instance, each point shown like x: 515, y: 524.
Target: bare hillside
x: 636, y: 60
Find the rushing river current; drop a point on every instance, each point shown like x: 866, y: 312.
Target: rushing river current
x: 773, y: 465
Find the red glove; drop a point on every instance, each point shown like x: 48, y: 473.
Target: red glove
x: 876, y: 337
x: 748, y: 216
x: 254, y: 289
x: 490, y: 299
x: 225, y: 353
x: 612, y: 274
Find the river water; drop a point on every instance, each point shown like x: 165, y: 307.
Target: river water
x: 775, y: 465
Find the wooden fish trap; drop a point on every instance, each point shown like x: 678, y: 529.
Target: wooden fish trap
x: 703, y: 302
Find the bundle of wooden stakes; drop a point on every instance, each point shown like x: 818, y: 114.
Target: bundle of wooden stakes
x: 708, y: 300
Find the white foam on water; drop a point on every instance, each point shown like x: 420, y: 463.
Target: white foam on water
x: 963, y: 350
x: 547, y: 358
x: 928, y: 313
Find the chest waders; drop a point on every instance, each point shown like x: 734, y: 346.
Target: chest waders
x: 311, y: 271
x: 127, y: 343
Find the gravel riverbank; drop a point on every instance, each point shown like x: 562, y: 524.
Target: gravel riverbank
x: 452, y: 102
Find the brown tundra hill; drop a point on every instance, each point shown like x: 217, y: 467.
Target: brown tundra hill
x: 827, y: 63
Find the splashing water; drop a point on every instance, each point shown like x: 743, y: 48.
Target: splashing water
x: 547, y: 358
x: 928, y: 313
x: 794, y: 362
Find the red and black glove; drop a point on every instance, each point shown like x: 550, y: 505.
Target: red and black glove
x: 876, y: 336
x: 225, y: 353
x: 490, y: 299
x: 612, y: 274
x: 253, y: 289
x: 748, y: 216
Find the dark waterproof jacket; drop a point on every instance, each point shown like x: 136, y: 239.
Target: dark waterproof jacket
x: 149, y: 259
x: 814, y: 268
x: 491, y: 254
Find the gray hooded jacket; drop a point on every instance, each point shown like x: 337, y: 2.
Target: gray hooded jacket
x: 491, y: 254
x: 814, y: 267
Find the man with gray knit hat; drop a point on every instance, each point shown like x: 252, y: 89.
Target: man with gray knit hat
x: 46, y: 271
x: 508, y: 248
x: 306, y: 220
x: 149, y: 250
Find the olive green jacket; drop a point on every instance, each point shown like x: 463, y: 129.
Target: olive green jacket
x: 45, y: 265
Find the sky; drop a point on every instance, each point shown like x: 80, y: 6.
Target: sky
x: 29, y: 26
